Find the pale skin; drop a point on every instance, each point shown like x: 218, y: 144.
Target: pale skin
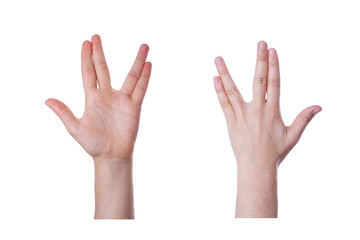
x: 108, y: 128
x: 258, y: 135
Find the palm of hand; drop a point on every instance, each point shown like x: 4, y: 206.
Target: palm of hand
x: 110, y: 122
x: 109, y: 125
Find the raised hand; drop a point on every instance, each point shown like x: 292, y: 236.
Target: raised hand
x: 259, y: 137
x: 109, y: 125
x: 108, y: 128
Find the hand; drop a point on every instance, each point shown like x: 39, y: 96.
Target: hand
x: 108, y: 128
x: 109, y: 125
x: 259, y: 137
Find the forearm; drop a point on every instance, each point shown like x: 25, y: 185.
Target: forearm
x: 256, y: 193
x: 113, y: 189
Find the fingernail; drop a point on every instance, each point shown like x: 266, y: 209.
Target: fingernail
x: 218, y: 61
x: 316, y: 111
x: 263, y: 46
x: 272, y: 52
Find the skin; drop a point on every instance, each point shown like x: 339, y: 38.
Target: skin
x: 108, y: 128
x: 258, y: 135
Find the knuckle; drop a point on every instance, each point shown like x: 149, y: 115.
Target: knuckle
x: 224, y: 104
x: 306, y: 119
x: 261, y: 80
x: 275, y: 82
x: 133, y: 74
x: 102, y: 66
x: 88, y: 70
x: 141, y: 87
x: 140, y: 60
x: 231, y: 91
x: 262, y: 57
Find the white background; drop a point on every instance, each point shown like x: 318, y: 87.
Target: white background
x: 184, y: 168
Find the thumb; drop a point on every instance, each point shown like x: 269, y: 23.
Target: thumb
x: 64, y: 113
x: 302, y: 120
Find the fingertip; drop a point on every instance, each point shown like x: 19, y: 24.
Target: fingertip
x: 262, y: 45
x: 96, y: 41
x: 145, y: 47
x: 216, y: 80
x: 143, y: 52
x: 86, y: 48
x: 219, y: 61
x: 147, y: 69
x: 272, y: 52
x: 95, y: 37
x: 317, y: 110
x: 149, y: 64
x: 53, y: 104
x: 86, y: 43
x: 49, y: 101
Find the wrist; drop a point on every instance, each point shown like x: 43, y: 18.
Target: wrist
x: 112, y: 168
x: 256, y: 179
x: 257, y: 166
x: 113, y: 188
x: 112, y: 161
